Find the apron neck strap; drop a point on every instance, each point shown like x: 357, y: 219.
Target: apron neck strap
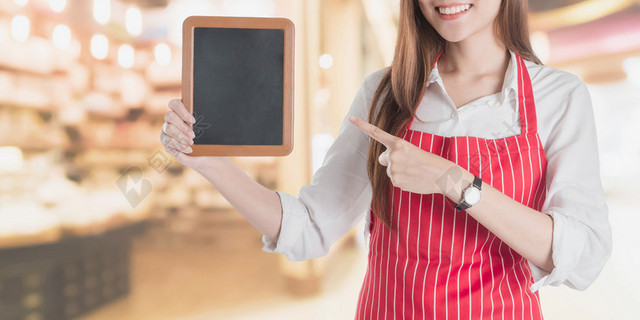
x: 526, y: 104
x: 437, y: 58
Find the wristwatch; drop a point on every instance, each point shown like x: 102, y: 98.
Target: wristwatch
x: 470, y: 195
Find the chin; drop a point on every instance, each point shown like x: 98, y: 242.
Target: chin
x: 454, y: 36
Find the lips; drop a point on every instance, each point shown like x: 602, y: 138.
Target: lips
x: 453, y: 11
x: 453, y: 8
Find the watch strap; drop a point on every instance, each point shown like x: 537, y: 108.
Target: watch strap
x: 477, y: 183
x: 462, y: 206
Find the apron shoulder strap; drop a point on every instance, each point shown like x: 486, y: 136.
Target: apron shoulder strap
x: 526, y: 104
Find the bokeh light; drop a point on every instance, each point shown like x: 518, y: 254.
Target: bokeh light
x: 102, y: 11
x: 162, y: 54
x: 126, y: 56
x: 61, y: 36
x: 133, y: 21
x: 99, y: 46
x: 20, y: 27
x: 325, y: 61
x: 57, y: 5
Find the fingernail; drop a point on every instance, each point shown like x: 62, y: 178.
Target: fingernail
x: 352, y: 118
x: 191, y: 142
x: 192, y: 135
x: 192, y: 120
x: 189, y: 150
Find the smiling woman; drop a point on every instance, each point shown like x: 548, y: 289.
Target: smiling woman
x: 520, y: 234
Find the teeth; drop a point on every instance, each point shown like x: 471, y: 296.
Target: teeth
x: 454, y: 9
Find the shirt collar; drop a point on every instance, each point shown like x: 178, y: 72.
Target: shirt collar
x: 510, y: 84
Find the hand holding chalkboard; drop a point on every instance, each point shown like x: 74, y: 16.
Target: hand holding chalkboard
x: 177, y: 135
x: 237, y: 82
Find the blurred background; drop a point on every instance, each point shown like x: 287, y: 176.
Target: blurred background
x: 98, y: 222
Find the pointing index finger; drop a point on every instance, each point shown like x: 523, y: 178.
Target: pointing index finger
x: 374, y: 132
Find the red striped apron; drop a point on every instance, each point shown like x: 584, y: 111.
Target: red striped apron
x: 443, y: 264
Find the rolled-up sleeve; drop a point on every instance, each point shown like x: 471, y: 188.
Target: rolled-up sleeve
x: 575, y: 198
x: 336, y: 199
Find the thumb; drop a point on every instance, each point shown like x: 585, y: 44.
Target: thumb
x: 384, y: 158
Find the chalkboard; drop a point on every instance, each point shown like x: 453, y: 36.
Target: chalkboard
x: 238, y: 84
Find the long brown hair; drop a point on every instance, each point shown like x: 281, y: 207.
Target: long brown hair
x: 417, y: 47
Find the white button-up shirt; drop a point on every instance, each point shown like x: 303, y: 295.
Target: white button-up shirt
x: 339, y: 194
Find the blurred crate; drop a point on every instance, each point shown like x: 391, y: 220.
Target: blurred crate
x: 66, y: 279
x: 99, y: 275
x: 23, y: 291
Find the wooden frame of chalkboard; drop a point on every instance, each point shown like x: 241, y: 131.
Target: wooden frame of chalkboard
x: 237, y: 81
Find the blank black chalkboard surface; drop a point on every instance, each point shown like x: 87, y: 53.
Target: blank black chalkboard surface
x: 237, y: 81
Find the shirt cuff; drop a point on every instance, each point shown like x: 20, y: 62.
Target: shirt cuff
x: 294, y: 218
x: 366, y: 234
x: 564, y: 254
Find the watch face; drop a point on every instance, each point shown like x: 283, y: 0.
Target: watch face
x: 471, y: 196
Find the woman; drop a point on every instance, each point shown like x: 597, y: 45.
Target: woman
x: 487, y: 196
